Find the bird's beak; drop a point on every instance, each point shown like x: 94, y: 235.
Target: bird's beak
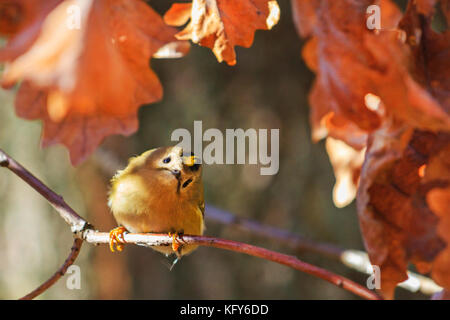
x: 190, y: 160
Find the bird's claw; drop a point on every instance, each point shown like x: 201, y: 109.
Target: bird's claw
x: 176, y: 244
x: 116, y: 238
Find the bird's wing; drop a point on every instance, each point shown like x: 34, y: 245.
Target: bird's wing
x: 133, y: 163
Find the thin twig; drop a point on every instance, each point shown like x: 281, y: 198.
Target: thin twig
x: 59, y: 273
x: 293, y: 240
x: 84, y: 231
x: 354, y: 259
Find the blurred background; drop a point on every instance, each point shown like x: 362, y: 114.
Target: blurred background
x: 268, y: 88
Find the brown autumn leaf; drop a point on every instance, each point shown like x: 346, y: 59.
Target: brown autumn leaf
x: 430, y: 54
x: 21, y: 21
x: 346, y: 162
x: 223, y: 24
x: 392, y: 86
x: 10, y: 17
x: 338, y: 108
x: 352, y: 61
x: 403, y: 204
x: 336, y: 52
x: 437, y: 174
x: 86, y: 83
x: 405, y: 214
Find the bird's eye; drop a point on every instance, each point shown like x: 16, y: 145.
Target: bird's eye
x: 166, y: 160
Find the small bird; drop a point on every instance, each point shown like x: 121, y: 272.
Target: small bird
x: 160, y: 191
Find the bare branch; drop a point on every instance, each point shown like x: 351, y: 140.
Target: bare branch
x: 147, y: 239
x: 77, y: 223
x: 354, y: 259
x: 293, y: 240
x: 59, y: 273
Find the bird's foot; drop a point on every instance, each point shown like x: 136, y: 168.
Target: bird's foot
x: 176, y: 244
x: 116, y: 238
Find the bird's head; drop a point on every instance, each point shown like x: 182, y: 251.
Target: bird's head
x: 170, y: 164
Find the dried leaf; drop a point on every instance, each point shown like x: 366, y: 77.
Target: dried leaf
x: 87, y: 83
x: 389, y: 89
x: 397, y: 201
x: 178, y: 14
x: 352, y: 61
x: 346, y: 162
x: 223, y: 24
x: 21, y: 21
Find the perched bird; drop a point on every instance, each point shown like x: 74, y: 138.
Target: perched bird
x: 160, y: 191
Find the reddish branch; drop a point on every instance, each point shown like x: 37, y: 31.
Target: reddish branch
x: 147, y: 239
x: 293, y: 240
x: 59, y: 273
x: 77, y: 223
x: 84, y: 231
x: 354, y: 259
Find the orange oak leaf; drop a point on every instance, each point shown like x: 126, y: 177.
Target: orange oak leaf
x: 223, y: 24
x: 86, y: 78
x: 351, y: 61
x: 10, y: 17
x: 388, y: 89
x: 437, y: 173
x: 20, y: 21
x: 403, y: 204
x: 346, y: 162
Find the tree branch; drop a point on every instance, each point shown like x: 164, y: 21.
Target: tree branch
x: 354, y: 259
x: 149, y: 240
x: 84, y: 231
x: 77, y: 223
x: 59, y: 273
x: 293, y: 240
